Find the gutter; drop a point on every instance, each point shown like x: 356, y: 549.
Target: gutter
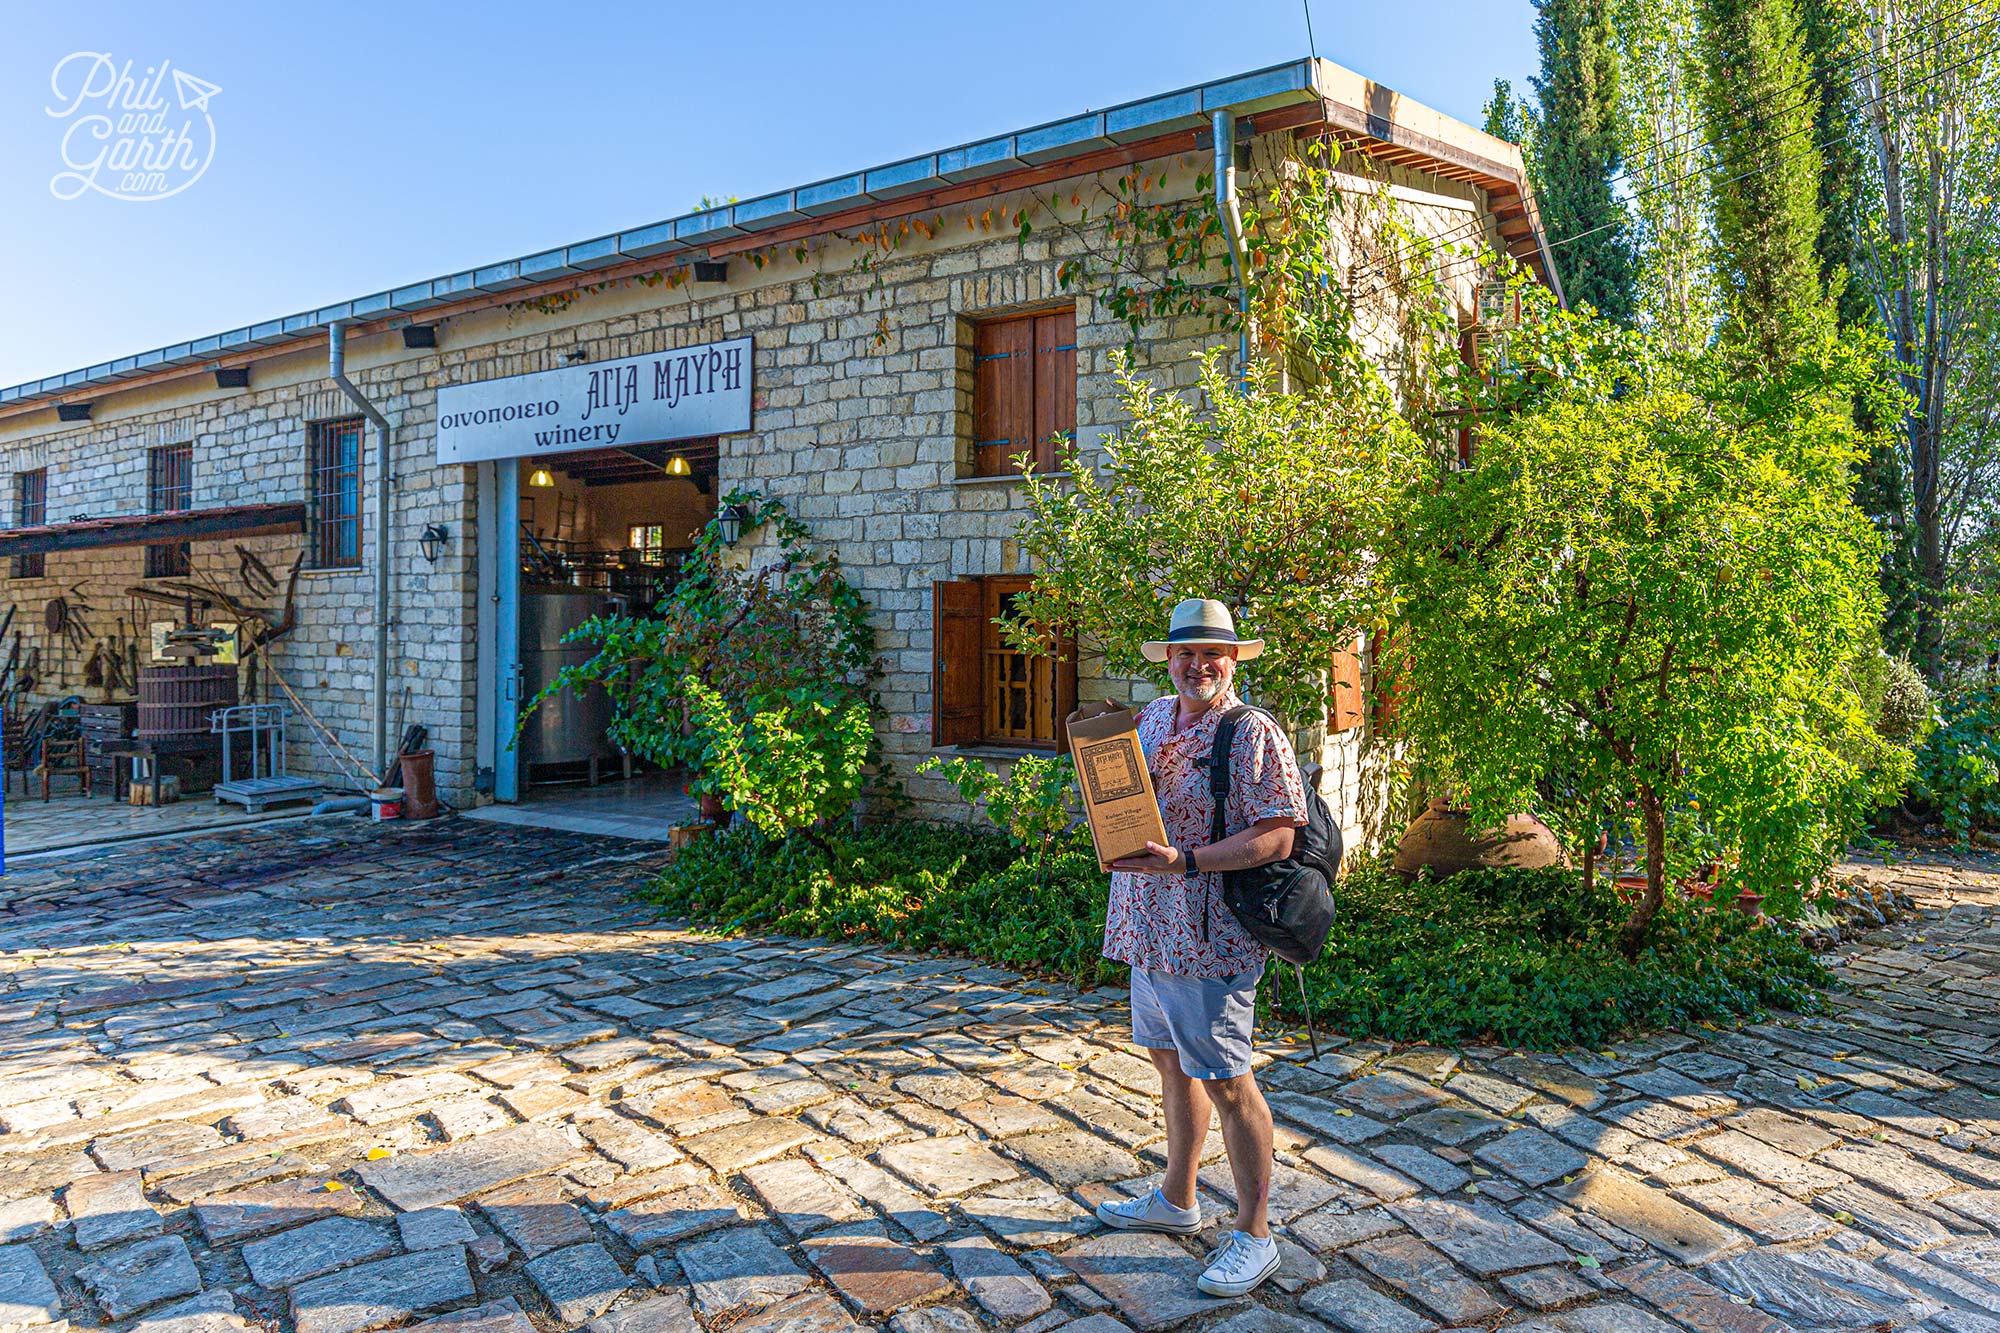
x: 1224, y: 134
x: 336, y: 350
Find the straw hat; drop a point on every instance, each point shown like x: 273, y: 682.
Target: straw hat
x: 1201, y: 620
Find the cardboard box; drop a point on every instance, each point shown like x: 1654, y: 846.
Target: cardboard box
x: 1118, y: 797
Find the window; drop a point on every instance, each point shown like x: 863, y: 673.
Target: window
x: 335, y: 504
x: 1023, y: 389
x: 31, y: 509
x: 650, y: 541
x: 984, y: 692
x: 169, y: 489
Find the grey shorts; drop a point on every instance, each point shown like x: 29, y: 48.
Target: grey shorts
x: 1205, y: 1020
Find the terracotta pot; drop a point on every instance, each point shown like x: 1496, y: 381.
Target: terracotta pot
x: 713, y: 810
x: 1443, y: 841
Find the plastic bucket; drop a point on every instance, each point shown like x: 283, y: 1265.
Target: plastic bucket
x: 386, y: 802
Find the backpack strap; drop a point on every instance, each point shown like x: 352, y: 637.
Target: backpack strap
x: 1218, y: 767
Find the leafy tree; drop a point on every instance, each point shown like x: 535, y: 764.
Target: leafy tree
x: 792, y: 766
x: 1929, y: 262
x: 1268, y: 501
x: 1759, y: 103
x: 1651, y: 584
x: 1577, y: 152
x: 1664, y: 139
x: 1510, y: 118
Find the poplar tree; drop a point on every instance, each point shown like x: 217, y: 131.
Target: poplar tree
x: 1577, y: 145
x: 1761, y: 106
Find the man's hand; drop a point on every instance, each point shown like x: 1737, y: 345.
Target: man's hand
x: 1158, y: 860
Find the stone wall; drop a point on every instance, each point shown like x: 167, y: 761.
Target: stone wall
x: 863, y: 378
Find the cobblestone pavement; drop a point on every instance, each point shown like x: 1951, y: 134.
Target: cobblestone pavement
x: 326, y: 1078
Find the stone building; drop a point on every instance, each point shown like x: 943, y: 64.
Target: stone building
x: 869, y: 348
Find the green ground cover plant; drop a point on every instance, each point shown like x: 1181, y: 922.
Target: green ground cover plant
x: 1525, y: 959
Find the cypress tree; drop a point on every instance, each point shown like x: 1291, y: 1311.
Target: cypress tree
x: 1831, y: 33
x: 1761, y: 107
x: 1577, y: 154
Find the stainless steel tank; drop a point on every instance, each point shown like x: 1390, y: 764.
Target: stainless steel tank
x: 569, y: 727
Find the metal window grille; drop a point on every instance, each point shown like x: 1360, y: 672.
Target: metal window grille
x: 169, y: 489
x: 335, y: 502
x: 31, y: 509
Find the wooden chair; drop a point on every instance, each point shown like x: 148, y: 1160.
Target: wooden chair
x: 64, y: 755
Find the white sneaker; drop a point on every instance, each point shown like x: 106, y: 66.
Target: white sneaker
x: 1151, y: 1213
x: 1240, y: 1266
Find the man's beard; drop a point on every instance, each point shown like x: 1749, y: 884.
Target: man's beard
x: 1202, y: 691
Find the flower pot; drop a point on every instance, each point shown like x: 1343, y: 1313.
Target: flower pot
x: 713, y: 810
x: 680, y: 835
x: 1443, y: 841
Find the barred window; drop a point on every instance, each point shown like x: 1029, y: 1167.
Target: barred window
x: 31, y: 509
x: 169, y: 490
x: 335, y: 503
x: 985, y: 691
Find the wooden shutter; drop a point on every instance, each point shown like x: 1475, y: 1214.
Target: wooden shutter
x: 1388, y: 682
x: 1065, y: 691
x: 1003, y: 394
x: 1345, y: 706
x: 958, y: 616
x: 1055, y: 384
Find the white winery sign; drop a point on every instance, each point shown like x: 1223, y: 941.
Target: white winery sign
x: 683, y: 394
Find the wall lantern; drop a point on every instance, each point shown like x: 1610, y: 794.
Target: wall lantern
x: 729, y: 522
x: 433, y: 540
x: 542, y: 477
x: 678, y: 466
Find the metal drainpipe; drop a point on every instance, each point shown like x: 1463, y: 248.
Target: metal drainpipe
x: 336, y: 348
x: 1224, y: 134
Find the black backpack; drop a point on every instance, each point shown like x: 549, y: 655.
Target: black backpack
x: 1286, y: 905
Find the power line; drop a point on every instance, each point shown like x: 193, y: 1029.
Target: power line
x: 1556, y: 244
x: 1311, y: 45
x: 1469, y: 230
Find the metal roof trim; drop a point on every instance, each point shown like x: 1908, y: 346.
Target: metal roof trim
x: 706, y: 226
x: 767, y: 210
x: 1287, y: 84
x: 645, y: 242
x: 901, y: 178
x: 988, y: 157
x: 1060, y: 139
x: 547, y: 264
x: 831, y: 196
x: 1154, y: 116
x: 594, y: 254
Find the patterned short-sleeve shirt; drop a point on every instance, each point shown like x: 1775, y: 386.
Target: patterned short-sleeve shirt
x: 1155, y: 921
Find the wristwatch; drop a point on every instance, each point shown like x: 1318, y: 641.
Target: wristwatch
x: 1187, y: 862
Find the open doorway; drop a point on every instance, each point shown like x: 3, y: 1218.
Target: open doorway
x: 594, y: 533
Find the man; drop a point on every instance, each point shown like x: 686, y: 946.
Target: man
x: 1194, y: 968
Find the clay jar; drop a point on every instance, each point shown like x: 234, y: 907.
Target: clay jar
x: 1443, y: 841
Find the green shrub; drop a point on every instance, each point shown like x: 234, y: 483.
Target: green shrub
x: 1519, y: 958
x: 1526, y: 958
x: 1958, y: 769
x: 912, y: 885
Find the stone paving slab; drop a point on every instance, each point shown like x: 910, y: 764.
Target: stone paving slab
x: 348, y: 1077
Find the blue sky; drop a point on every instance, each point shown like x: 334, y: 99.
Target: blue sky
x: 362, y: 145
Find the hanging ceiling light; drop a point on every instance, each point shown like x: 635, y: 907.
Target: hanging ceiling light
x: 541, y: 477
x: 678, y: 466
